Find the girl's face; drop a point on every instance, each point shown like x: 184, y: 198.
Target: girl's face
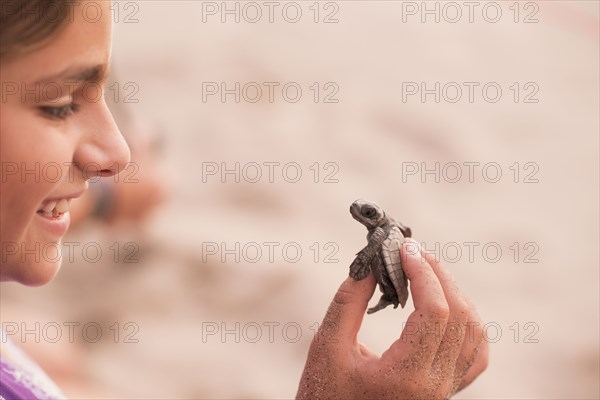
x: 56, y: 132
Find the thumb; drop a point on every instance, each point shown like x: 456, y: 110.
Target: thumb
x: 345, y: 313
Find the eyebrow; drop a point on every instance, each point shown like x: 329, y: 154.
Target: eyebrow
x: 92, y: 74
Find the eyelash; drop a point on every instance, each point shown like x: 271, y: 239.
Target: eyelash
x: 62, y: 112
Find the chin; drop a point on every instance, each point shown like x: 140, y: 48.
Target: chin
x: 33, y: 274
x: 44, y: 276
x: 35, y: 261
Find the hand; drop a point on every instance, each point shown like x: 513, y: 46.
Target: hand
x: 440, y: 351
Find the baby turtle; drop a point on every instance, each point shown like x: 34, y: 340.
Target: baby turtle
x: 382, y: 254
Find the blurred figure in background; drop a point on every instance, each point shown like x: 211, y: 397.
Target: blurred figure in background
x: 134, y: 194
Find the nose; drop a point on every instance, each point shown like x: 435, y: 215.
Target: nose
x: 102, y: 151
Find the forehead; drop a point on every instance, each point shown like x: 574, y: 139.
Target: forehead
x: 84, y: 42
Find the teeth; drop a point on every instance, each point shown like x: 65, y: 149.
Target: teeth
x: 55, y: 208
x: 49, y: 207
x: 62, y: 206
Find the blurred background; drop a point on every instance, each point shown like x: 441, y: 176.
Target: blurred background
x: 233, y: 233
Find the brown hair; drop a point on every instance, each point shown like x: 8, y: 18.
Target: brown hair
x: 26, y: 25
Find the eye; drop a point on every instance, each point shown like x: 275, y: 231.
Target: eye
x: 61, y: 112
x: 369, y: 212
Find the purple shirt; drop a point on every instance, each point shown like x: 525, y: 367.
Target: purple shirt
x: 21, y: 378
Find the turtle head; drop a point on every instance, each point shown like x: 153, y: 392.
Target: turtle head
x: 367, y: 213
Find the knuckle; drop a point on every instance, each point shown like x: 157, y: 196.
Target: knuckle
x: 483, y: 357
x: 342, y: 296
x: 462, y: 307
x: 479, y: 366
x: 439, y: 311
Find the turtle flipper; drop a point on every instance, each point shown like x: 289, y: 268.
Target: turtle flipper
x: 406, y: 231
x: 383, y: 303
x: 393, y: 263
x: 389, y: 295
x: 360, y: 267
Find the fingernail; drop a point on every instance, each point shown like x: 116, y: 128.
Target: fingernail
x: 413, y: 248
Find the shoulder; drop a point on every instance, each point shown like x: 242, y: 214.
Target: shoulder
x: 21, y: 378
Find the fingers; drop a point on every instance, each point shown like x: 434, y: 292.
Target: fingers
x: 335, y: 347
x: 345, y: 314
x: 424, y: 328
x: 473, y: 357
x: 479, y: 365
x: 463, y: 339
x: 453, y: 337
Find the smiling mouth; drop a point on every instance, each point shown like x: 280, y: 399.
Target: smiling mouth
x: 54, y: 208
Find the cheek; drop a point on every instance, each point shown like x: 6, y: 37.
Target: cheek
x: 29, y: 169
x: 32, y: 162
